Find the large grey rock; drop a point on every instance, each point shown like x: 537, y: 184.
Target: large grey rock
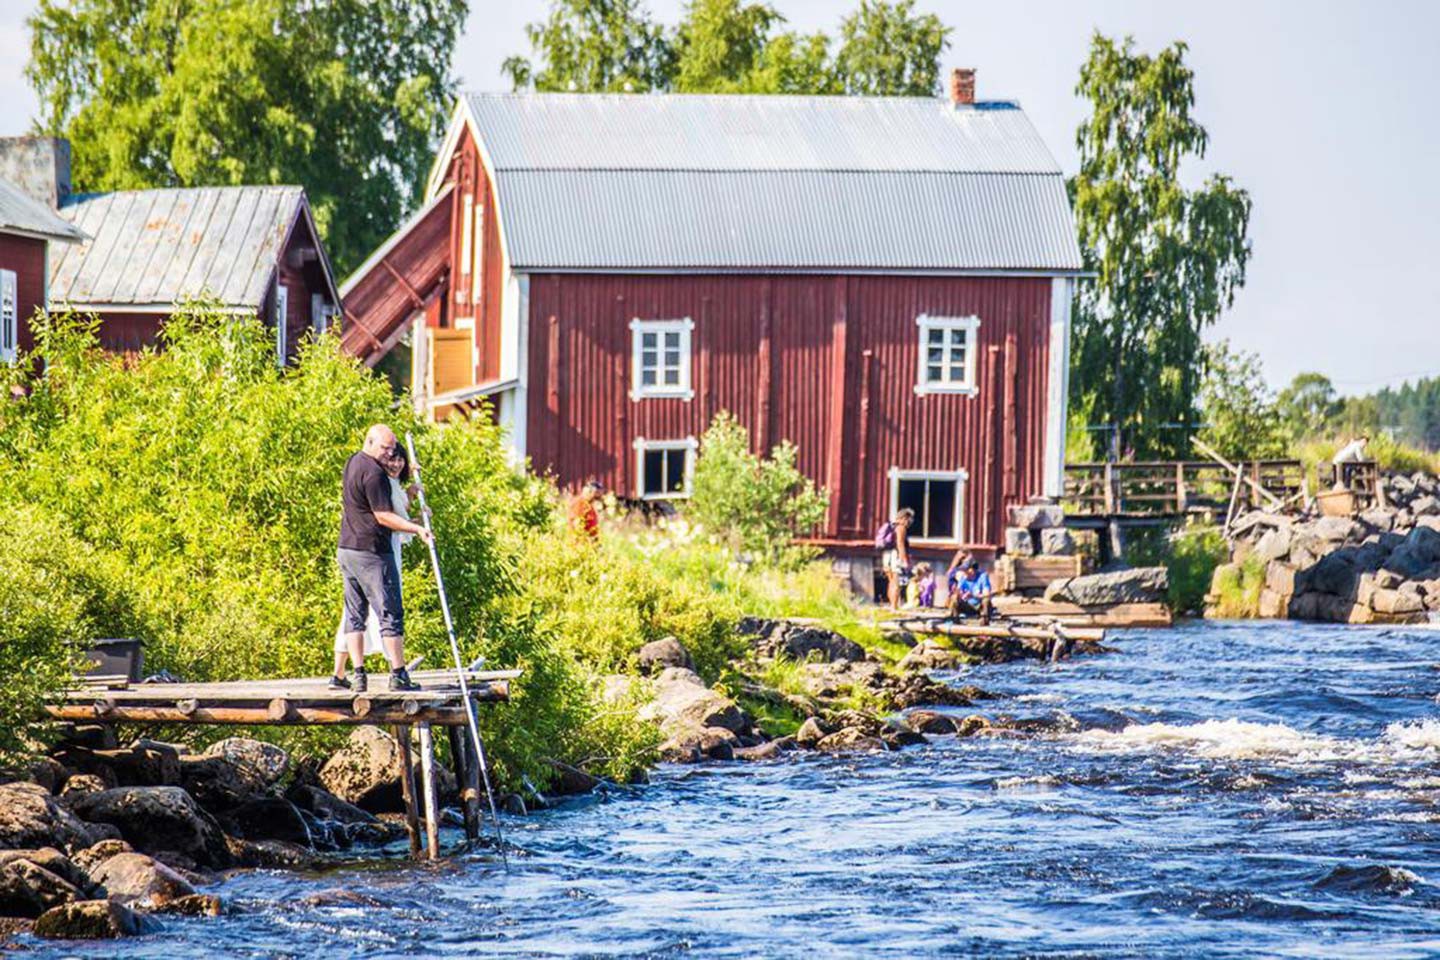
x: 93, y: 920
x: 1378, y: 518
x: 262, y: 761
x: 1334, y: 573
x: 1336, y: 529
x: 691, y: 744
x: 158, y: 820
x: 683, y: 704
x: 1418, y: 556
x: 1426, y: 505
x: 268, y: 818
x: 1273, y: 544
x: 1056, y: 542
x: 851, y: 740
x: 781, y: 638
x: 1139, y: 585
x: 31, y: 817
x: 930, y: 656
x: 811, y: 732
x: 1395, y: 602
x: 134, y: 877
x: 1280, y: 578
x: 325, y: 805
x: 665, y: 652
x: 1019, y: 542
x: 48, y: 858
x: 1036, y: 516
x: 366, y: 771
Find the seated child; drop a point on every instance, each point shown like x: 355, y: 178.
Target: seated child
x: 921, y: 591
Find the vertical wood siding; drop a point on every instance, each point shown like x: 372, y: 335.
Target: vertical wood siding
x: 25, y: 256
x: 468, y: 175
x: 829, y: 363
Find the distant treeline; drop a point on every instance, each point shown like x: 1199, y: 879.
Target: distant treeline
x: 1411, y: 413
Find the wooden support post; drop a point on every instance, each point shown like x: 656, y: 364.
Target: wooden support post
x: 1182, y: 497
x: 407, y: 788
x: 430, y: 790
x: 467, y: 776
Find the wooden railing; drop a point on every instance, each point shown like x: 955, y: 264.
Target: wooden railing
x: 1180, y: 487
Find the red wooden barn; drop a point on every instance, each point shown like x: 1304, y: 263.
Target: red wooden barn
x: 886, y: 282
x: 251, y: 249
x: 27, y: 228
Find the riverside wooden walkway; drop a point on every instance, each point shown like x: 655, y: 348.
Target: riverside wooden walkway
x: 310, y: 701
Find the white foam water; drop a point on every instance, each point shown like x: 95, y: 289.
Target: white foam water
x: 1236, y: 739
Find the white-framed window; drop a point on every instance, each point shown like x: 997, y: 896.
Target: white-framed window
x: 947, y: 354
x: 938, y: 499
x: 282, y: 312
x: 660, y: 358
x: 322, y: 312
x: 664, y: 468
x: 9, y: 317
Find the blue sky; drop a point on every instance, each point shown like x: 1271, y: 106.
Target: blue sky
x: 1324, y: 111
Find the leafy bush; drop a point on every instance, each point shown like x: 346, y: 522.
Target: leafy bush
x: 1190, y: 556
x: 204, y: 486
x: 1237, y: 590
x: 53, y: 601
x: 754, y: 505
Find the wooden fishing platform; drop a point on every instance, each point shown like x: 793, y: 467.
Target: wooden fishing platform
x: 309, y: 701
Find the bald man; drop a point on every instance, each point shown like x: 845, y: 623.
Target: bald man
x: 367, y: 564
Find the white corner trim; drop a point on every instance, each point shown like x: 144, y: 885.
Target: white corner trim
x: 970, y: 325
x: 1062, y: 292
x: 681, y: 391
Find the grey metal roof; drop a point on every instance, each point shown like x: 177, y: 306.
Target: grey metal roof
x: 158, y: 247
x: 676, y: 182
x: 20, y: 213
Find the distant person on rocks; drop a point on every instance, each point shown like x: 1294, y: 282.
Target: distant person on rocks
x: 402, y: 491
x: 893, y: 540
x: 972, y: 594
x: 366, y: 556
x: 584, y: 517
x: 1352, y: 453
x: 956, y: 569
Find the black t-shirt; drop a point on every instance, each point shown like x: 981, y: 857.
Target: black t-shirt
x: 366, y: 489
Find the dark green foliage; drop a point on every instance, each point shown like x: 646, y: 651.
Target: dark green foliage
x: 1189, y: 555
x: 729, y: 46
x: 344, y: 98
x: 1167, y: 259
x: 1241, y: 418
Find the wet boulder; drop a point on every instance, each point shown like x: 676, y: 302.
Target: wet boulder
x: 48, y: 858
x: 268, y: 818
x: 158, y: 820
x: 136, y: 878
x: 27, y: 890
x: 929, y: 655
x: 262, y: 762
x: 91, y: 857
x: 570, y: 781
x: 366, y: 771
x: 682, y: 701
x: 325, y: 805
x: 812, y: 731
x: 1137, y: 585
x: 31, y: 817
x: 930, y: 721
x: 665, y: 652
x: 693, y: 744
x: 92, y: 920
x: 851, y: 740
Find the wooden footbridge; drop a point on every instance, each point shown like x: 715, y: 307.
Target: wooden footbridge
x: 310, y: 701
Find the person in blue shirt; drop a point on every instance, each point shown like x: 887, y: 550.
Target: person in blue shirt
x: 971, y: 592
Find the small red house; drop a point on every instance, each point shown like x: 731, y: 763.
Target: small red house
x: 255, y: 250
x: 886, y: 282
x: 27, y: 228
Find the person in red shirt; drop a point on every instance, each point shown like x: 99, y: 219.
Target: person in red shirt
x: 583, y: 516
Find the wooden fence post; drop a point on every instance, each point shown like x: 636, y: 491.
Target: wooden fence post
x: 407, y: 787
x: 432, y: 806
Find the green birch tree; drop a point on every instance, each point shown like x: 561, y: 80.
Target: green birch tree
x: 1166, y: 259
x: 344, y: 98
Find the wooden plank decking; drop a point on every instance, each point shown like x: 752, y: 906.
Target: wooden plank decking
x: 289, y: 701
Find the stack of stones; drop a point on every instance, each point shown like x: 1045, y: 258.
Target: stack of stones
x: 1038, y: 529
x: 1381, y: 566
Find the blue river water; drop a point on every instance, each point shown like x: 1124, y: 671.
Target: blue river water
x: 1216, y: 790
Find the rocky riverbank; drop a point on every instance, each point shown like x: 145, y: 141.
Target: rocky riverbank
x: 1381, y: 566
x: 102, y: 840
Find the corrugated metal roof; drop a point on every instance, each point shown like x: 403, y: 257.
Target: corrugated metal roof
x: 674, y: 182
x: 795, y: 220
x: 685, y: 132
x: 158, y: 247
x: 20, y: 213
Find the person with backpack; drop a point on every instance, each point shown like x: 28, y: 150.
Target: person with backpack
x: 893, y: 542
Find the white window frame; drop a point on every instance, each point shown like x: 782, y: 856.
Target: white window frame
x: 961, y: 479
x: 642, y: 446
x: 9, y: 316
x: 282, y: 310
x: 683, y: 390
x: 927, y: 323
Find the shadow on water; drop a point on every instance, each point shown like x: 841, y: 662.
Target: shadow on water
x: 1213, y: 790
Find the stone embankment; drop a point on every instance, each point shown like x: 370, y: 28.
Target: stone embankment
x: 1381, y: 566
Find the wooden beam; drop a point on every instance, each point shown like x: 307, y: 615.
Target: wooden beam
x: 407, y: 788
x: 251, y: 716
x: 430, y: 789
x: 835, y: 444
x: 415, y: 299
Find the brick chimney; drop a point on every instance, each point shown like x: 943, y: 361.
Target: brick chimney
x: 962, y: 86
x: 38, y: 166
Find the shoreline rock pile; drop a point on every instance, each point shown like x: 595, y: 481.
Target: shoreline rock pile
x: 1038, y: 530
x: 1381, y: 566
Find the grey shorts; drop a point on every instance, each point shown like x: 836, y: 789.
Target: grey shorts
x: 372, y: 581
